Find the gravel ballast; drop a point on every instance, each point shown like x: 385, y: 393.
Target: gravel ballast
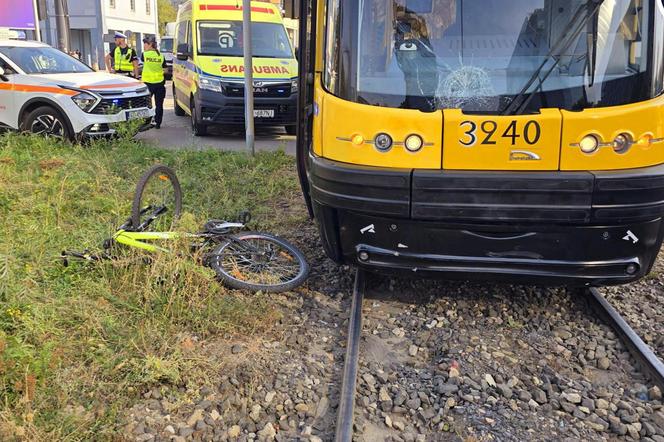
x: 439, y: 360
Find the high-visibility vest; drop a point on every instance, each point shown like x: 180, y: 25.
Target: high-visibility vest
x: 122, y: 59
x: 153, y: 72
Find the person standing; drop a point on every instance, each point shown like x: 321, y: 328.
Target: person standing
x: 154, y: 65
x: 122, y: 60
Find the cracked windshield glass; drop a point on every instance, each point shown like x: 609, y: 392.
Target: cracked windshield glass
x: 479, y: 55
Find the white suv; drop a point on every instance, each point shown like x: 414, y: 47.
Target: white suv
x: 43, y: 90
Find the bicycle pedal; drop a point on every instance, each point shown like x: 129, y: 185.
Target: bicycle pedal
x: 244, y: 217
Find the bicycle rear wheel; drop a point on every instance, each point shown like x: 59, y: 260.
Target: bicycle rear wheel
x: 259, y: 261
x: 157, y: 200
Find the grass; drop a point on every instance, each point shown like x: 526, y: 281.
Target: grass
x: 79, y: 344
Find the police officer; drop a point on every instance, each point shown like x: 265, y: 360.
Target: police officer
x: 154, y: 65
x: 122, y: 60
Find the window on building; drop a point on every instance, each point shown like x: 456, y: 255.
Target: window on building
x: 132, y: 5
x: 147, y: 6
x: 111, y: 3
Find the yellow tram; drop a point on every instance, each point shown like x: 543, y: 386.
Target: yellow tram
x: 517, y: 140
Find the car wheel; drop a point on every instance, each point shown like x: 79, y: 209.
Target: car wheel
x: 291, y: 130
x: 178, y: 110
x: 47, y: 121
x: 199, y: 129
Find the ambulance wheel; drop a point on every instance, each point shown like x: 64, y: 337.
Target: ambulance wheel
x: 199, y: 129
x: 291, y: 130
x: 47, y: 121
x: 178, y: 110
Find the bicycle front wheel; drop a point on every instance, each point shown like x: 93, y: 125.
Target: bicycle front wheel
x: 157, y: 200
x: 259, y: 262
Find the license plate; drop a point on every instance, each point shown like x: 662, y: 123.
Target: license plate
x: 139, y: 113
x: 264, y: 113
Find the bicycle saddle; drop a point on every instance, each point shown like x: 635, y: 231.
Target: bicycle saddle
x: 220, y: 226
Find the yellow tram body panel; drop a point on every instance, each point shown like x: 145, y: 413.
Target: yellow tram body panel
x: 515, y: 142
x: 643, y: 122
x: 541, y: 142
x: 349, y: 130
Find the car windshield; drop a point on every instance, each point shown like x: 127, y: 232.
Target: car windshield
x: 166, y: 45
x: 478, y: 55
x: 43, y: 60
x: 224, y: 38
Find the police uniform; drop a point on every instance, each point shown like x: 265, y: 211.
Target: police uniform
x: 123, y: 60
x: 153, y: 77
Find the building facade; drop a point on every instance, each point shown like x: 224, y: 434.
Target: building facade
x: 92, y: 24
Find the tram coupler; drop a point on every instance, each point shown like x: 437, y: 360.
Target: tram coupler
x: 344, y: 431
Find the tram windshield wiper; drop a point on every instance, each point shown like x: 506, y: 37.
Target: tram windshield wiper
x: 569, y: 36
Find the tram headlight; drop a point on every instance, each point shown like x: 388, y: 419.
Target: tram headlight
x: 414, y: 143
x: 645, y: 141
x: 383, y: 142
x: 589, y: 144
x: 622, y: 143
x: 357, y: 140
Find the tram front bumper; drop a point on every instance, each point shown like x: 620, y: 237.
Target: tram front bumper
x: 550, y: 228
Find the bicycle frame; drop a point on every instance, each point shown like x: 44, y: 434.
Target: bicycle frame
x: 137, y: 239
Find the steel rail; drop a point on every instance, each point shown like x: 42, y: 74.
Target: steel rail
x: 647, y: 360
x: 344, y: 430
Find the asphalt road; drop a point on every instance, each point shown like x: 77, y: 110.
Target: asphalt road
x: 175, y: 133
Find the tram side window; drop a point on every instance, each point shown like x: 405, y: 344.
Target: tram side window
x: 332, y: 47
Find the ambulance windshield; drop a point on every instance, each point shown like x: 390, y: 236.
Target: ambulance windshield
x: 224, y: 38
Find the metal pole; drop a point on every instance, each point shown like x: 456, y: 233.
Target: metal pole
x: 248, y: 75
x: 37, y: 30
x: 62, y: 26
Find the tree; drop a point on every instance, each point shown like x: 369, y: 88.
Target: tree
x: 165, y: 13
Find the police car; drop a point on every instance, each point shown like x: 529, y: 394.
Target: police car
x: 45, y: 91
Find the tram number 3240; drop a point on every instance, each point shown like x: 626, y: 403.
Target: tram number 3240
x: 487, y: 133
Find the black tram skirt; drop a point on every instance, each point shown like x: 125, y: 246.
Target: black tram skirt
x: 547, y: 228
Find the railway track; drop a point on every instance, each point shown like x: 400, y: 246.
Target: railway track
x: 647, y: 361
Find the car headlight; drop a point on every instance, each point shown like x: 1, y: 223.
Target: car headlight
x: 294, y: 85
x: 209, y: 83
x: 85, y: 101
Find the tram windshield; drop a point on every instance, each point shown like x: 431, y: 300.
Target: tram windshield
x: 482, y: 55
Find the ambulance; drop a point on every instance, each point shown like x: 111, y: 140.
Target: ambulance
x: 208, y: 70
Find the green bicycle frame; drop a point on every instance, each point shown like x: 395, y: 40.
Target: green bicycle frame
x: 137, y: 239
